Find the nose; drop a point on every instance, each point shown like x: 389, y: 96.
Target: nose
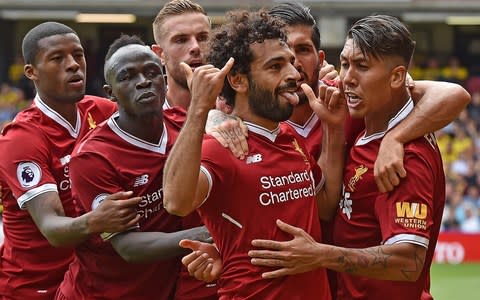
x: 72, y: 64
x: 143, y: 81
x: 293, y: 73
x: 194, y: 47
x: 347, y: 76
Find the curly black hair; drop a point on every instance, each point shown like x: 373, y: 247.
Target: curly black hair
x: 233, y: 39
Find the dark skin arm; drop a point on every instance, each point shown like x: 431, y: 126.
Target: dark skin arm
x: 47, y: 212
x: 152, y: 246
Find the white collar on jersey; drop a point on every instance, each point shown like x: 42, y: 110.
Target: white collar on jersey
x: 166, y: 105
x: 307, y: 127
x: 401, y: 114
x: 52, y: 114
x: 161, y: 147
x: 269, y: 134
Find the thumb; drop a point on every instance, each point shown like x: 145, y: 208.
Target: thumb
x: 228, y: 66
x: 189, y: 244
x: 309, y: 93
x: 188, y: 73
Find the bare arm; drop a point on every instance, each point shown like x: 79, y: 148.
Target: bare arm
x: 401, y: 262
x: 111, y: 216
x: 331, y: 109
x: 153, y: 246
x: 437, y: 104
x: 184, y: 186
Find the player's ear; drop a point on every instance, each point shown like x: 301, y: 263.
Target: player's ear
x: 159, y: 52
x: 30, y: 72
x: 238, y: 82
x: 398, y: 77
x: 108, y: 90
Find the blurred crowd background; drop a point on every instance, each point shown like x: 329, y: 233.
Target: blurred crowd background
x: 434, y: 60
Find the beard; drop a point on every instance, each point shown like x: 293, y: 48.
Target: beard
x: 267, y: 105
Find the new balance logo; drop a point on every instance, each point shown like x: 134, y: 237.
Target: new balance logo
x: 141, y: 180
x: 65, y: 160
x: 254, y: 159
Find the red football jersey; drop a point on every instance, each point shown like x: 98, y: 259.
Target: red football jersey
x: 122, y: 162
x: 35, y: 157
x: 411, y: 213
x: 278, y: 180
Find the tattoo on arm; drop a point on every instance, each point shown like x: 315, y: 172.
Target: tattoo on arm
x: 418, y: 265
x: 373, y: 260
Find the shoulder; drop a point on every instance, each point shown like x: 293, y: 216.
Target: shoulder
x: 90, y: 102
x: 175, y: 116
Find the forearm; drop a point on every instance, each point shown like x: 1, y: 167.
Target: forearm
x: 182, y: 168
x: 154, y: 246
x: 331, y: 162
x: 437, y: 104
x: 400, y: 262
x: 61, y: 231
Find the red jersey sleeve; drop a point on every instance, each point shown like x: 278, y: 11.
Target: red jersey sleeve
x: 406, y: 213
x: 25, y: 162
x: 217, y: 170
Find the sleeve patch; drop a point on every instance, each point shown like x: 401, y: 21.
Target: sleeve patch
x: 29, y: 174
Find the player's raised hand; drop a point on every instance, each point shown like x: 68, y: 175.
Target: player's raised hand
x: 327, y: 72
x: 116, y: 213
x: 330, y: 106
x: 204, y: 263
x: 206, y: 82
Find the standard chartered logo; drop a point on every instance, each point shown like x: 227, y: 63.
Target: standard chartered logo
x: 287, y: 193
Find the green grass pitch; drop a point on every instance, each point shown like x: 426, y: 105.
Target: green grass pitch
x: 455, y: 281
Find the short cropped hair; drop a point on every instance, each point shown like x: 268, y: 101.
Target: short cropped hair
x: 30, y: 40
x: 174, y: 8
x: 294, y: 13
x: 233, y: 39
x: 120, y: 42
x: 382, y: 35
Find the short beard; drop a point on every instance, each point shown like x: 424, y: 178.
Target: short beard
x: 266, y: 105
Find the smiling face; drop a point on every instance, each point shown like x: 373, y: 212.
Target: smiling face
x: 366, y: 81
x: 307, y: 58
x: 272, y: 80
x: 136, y: 81
x: 184, y: 38
x: 59, y: 69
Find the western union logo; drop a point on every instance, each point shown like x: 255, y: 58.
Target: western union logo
x: 411, y: 210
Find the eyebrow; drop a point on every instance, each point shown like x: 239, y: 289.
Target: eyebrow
x: 356, y: 60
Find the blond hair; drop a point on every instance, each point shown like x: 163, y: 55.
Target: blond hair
x: 174, y: 8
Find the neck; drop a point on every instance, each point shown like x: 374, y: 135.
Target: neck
x: 178, y: 95
x: 378, y: 120
x: 301, y: 114
x: 147, y: 128
x: 67, y: 110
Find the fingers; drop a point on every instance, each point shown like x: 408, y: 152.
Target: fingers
x: 267, y: 244
x: 277, y: 273
x: 190, y: 244
x: 119, y: 195
x: 267, y: 262
x: 289, y: 228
